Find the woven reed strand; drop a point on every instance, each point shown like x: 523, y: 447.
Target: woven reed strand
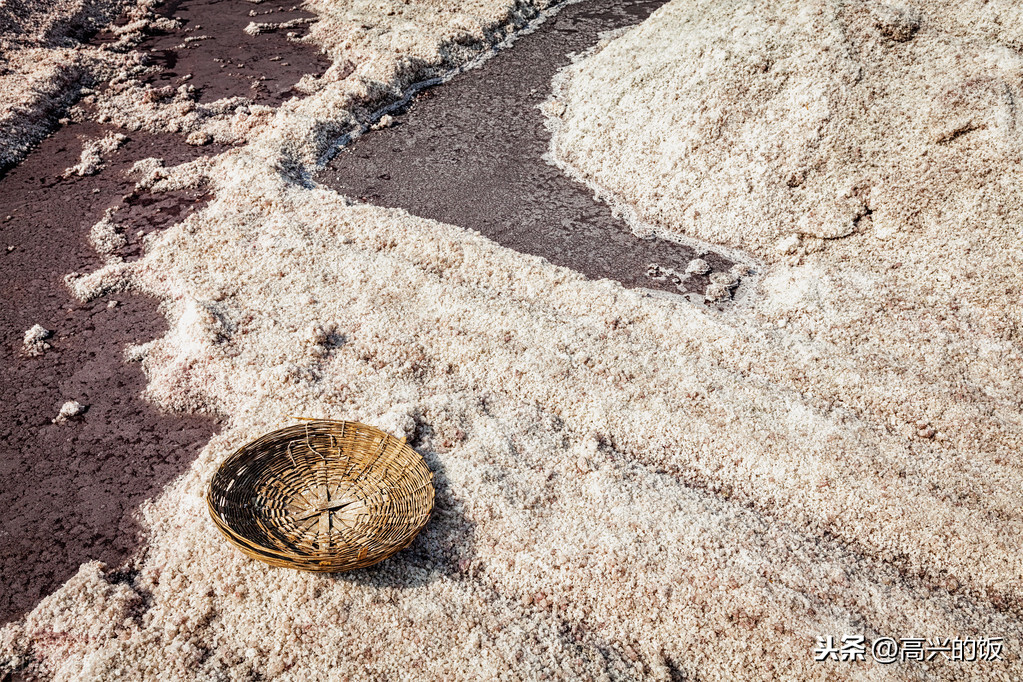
x: 322, y: 496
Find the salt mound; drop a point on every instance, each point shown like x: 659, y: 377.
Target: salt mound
x: 34, y: 341
x: 93, y: 151
x: 745, y: 122
x: 68, y: 411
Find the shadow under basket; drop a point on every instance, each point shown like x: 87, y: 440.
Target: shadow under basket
x: 322, y: 496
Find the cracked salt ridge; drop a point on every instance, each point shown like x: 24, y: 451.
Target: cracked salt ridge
x: 474, y: 153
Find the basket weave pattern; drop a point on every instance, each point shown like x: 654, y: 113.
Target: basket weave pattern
x: 322, y: 496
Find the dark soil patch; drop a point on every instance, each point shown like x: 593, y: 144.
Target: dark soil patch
x: 469, y: 152
x: 70, y: 491
x: 230, y: 62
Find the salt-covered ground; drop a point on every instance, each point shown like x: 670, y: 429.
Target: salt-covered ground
x: 628, y: 487
x: 46, y: 64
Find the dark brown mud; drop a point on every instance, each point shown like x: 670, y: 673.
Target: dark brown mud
x: 212, y: 51
x: 70, y: 491
x: 470, y: 153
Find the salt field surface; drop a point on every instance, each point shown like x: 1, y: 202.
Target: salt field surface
x: 627, y: 486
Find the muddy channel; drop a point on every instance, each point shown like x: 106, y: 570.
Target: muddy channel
x: 470, y: 152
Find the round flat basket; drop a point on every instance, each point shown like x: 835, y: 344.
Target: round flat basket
x: 322, y: 496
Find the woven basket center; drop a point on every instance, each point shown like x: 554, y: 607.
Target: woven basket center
x: 336, y: 493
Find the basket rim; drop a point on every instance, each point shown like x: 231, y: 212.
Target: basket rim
x: 278, y: 557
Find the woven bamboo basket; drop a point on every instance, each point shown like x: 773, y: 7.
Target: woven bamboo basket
x: 322, y: 496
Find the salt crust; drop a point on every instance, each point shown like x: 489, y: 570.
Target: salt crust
x: 627, y: 487
x: 44, y: 69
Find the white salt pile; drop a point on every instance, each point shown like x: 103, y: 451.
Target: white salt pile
x: 627, y: 487
x: 93, y: 151
x: 68, y: 411
x: 34, y: 341
x: 833, y: 118
x: 105, y: 237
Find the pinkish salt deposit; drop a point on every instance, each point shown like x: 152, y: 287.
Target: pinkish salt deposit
x: 628, y: 487
x: 45, y: 68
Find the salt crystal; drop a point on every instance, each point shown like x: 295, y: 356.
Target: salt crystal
x: 69, y: 410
